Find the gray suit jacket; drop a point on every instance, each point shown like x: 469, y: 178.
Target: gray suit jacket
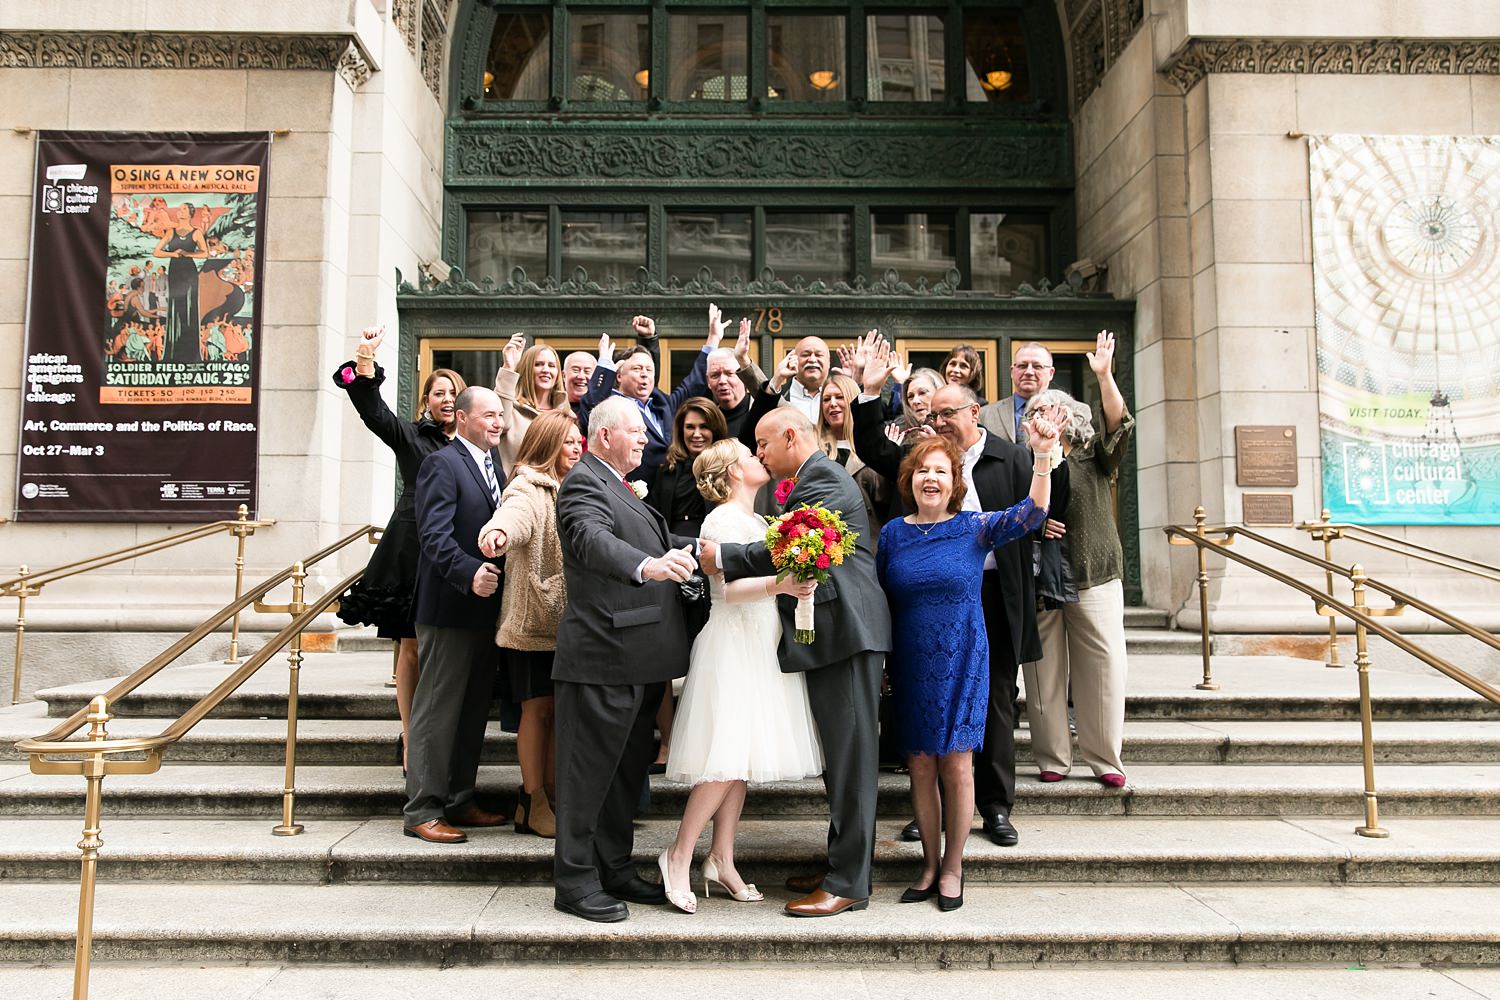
x: 850, y: 611
x: 614, y: 630
x: 1000, y: 418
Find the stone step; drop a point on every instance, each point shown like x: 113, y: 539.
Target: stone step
x: 1271, y: 688
x: 1105, y: 849
x: 446, y: 925
x: 1154, y: 790
x: 372, y: 742
x: 656, y: 981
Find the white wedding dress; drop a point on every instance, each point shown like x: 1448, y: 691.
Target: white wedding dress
x: 740, y: 717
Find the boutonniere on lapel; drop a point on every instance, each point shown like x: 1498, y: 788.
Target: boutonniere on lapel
x: 784, y: 490
x: 638, y: 487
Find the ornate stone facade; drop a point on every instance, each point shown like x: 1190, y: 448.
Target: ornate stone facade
x: 159, y: 50
x: 1098, y: 31
x: 1397, y: 56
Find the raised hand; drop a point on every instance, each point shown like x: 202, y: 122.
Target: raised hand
x: 644, y: 326
x: 369, y: 339
x: 878, y: 367
x: 510, y: 354
x: 846, y: 361
x: 717, y: 324
x: 742, y: 344
x: 784, y: 371
x: 1043, y: 435
x: 1103, y: 354
x: 606, y: 348
x: 902, y: 372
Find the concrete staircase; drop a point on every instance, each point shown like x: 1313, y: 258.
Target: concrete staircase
x: 1232, y: 843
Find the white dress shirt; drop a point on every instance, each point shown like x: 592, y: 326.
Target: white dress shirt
x: 806, y: 402
x: 971, y: 495
x: 479, y: 455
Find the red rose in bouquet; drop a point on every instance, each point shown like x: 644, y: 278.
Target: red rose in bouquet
x: 806, y: 544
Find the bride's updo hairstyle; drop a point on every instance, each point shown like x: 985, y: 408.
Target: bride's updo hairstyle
x: 711, y: 469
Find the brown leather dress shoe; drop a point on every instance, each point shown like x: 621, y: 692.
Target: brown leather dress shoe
x: 435, y: 831
x: 823, y: 904
x: 472, y: 815
x: 805, y: 883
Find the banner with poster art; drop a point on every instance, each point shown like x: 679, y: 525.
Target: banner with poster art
x: 143, y: 324
x: 1406, y: 284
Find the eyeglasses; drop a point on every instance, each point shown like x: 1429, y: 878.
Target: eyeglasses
x: 1024, y: 365
x: 946, y: 414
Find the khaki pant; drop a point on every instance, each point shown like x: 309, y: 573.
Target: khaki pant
x: 1084, y: 643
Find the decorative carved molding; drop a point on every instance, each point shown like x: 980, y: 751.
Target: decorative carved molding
x: 1202, y: 56
x: 406, y: 19
x: 484, y: 153
x: 579, y: 284
x: 433, y: 43
x: 162, y: 50
x: 354, y: 67
x: 1098, y: 32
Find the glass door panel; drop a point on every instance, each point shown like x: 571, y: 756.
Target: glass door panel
x: 477, y: 359
x: 923, y: 352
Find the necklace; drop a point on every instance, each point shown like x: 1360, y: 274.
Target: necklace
x: 928, y: 530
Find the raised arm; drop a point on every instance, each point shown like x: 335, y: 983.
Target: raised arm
x: 1111, y: 400
x: 362, y: 381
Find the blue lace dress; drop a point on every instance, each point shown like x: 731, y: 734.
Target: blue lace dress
x: 940, y: 664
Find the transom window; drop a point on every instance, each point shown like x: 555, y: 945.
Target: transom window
x: 599, y: 57
x: 994, y: 251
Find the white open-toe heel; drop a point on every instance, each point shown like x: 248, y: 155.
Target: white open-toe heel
x: 749, y: 894
x: 683, y: 899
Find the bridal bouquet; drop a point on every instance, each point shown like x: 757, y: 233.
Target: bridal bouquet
x: 805, y: 544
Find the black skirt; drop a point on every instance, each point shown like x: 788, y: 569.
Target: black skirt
x: 530, y: 672
x: 383, y: 596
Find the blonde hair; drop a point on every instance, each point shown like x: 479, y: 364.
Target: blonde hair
x: 711, y: 469
x: 828, y: 438
x: 557, y: 396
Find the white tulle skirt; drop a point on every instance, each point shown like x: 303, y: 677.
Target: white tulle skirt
x: 740, y: 717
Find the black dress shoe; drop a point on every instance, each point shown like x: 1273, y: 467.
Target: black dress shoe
x: 596, y: 906
x: 1001, y: 831
x: 910, y: 832
x: 920, y: 895
x: 946, y: 903
x: 638, y: 890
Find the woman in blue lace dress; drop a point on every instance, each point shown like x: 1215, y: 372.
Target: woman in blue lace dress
x: 931, y: 563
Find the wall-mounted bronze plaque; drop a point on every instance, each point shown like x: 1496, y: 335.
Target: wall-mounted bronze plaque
x: 1265, y: 455
x: 1267, y: 510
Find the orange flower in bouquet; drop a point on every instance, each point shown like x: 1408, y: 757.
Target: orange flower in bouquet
x: 806, y: 544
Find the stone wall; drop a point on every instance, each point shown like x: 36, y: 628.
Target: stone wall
x: 355, y: 192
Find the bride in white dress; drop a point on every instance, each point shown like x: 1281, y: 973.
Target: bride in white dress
x: 740, y: 718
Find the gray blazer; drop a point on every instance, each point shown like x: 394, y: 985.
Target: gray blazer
x: 850, y: 611
x: 1000, y: 418
x: 615, y: 630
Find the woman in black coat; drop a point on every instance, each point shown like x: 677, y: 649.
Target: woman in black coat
x: 382, y: 597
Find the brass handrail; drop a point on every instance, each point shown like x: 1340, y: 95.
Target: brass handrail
x: 97, y: 755
x: 1326, y: 531
x: 1365, y: 618
x: 28, y: 584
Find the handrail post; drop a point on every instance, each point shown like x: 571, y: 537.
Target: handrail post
x: 240, y: 531
x: 289, y: 827
x: 93, y: 767
x: 1372, y: 827
x: 1200, y: 519
x: 1328, y: 534
x: 21, y: 594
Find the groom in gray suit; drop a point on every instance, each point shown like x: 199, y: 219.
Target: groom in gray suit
x: 842, y: 665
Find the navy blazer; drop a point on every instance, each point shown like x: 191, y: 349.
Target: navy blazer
x: 663, y: 407
x: 453, y: 503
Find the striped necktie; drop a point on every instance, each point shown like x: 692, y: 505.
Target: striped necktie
x: 489, y: 479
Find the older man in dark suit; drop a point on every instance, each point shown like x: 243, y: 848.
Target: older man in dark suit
x: 633, y: 376
x: 843, y: 664
x: 457, y: 603
x: 621, y: 641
